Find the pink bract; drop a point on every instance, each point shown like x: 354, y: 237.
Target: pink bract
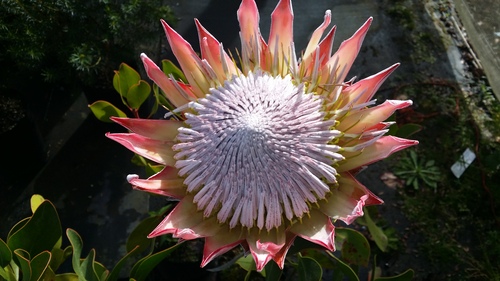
x: 267, y: 144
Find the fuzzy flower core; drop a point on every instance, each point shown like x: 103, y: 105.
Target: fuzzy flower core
x: 257, y: 149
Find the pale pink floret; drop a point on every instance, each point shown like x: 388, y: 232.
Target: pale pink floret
x: 356, y: 141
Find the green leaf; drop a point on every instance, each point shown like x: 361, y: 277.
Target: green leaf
x: 40, y: 233
x: 124, y: 78
x: 247, y: 263
x: 344, y: 268
x: 35, y: 201
x: 169, y: 67
x: 7, y: 274
x: 139, y: 236
x: 144, y: 266
x: 376, y: 232
x: 138, y: 94
x: 113, y: 276
x: 406, y: 130
x: 77, y: 244
x: 100, y: 270
x: 88, y: 268
x: 354, y: 247
x: 103, y: 110
x: 39, y: 265
x: 23, y: 259
x: 67, y: 277
x: 309, y: 269
x: 59, y: 256
x: 5, y: 254
x: 405, y: 276
x: 273, y: 271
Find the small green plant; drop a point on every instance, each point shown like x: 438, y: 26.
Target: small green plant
x: 415, y: 171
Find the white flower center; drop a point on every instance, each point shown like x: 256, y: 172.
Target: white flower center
x: 257, y: 151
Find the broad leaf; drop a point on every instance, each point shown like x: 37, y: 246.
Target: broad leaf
x: 144, y: 266
x: 344, y: 268
x: 67, y: 277
x: 35, y: 201
x: 139, y: 236
x: 169, y: 68
x: 113, y: 276
x: 247, y: 263
x: 376, y: 232
x: 103, y: 110
x: 77, y: 244
x: 23, y: 259
x: 273, y: 271
x: 40, y: 233
x: 309, y: 269
x: 124, y: 78
x: 405, y: 276
x: 39, y: 265
x: 138, y: 94
x: 354, y: 247
x: 5, y: 254
x: 88, y: 268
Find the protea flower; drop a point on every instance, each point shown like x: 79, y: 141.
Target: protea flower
x: 267, y: 144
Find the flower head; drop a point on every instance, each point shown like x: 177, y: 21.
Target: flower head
x: 265, y: 148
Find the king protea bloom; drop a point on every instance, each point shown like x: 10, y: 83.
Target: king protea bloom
x: 265, y: 145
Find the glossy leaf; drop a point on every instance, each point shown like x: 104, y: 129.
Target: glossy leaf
x: 354, y: 247
x: 77, y: 244
x: 35, y: 201
x: 139, y: 236
x: 67, y: 277
x: 103, y: 110
x: 124, y: 78
x: 273, y: 272
x: 7, y: 274
x: 376, y: 232
x: 138, y: 94
x: 309, y: 269
x: 5, y: 254
x: 144, y: 266
x: 39, y: 265
x: 23, y: 260
x: 88, y: 268
x: 59, y: 256
x: 169, y: 68
x: 115, y: 272
x: 247, y: 263
x: 405, y: 276
x: 406, y: 130
x: 40, y: 233
x: 343, y: 270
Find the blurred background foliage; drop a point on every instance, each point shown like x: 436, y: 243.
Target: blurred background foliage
x: 72, y: 43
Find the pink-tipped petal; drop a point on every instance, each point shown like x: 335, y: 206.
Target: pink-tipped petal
x: 316, y: 36
x: 219, y: 244
x: 281, y: 34
x: 211, y: 51
x: 363, y: 90
x: 186, y: 222
x: 382, y: 148
x: 158, y: 151
x: 264, y: 246
x: 189, y: 61
x: 165, y: 130
x: 361, y: 120
x: 165, y: 183
x: 347, y: 200
x: 176, y: 97
x: 280, y: 256
x: 248, y: 17
x: 317, y: 228
x: 340, y: 63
